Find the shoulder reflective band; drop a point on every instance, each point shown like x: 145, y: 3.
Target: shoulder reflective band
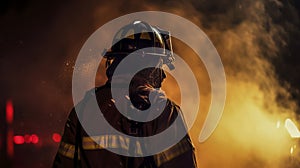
x: 67, y: 150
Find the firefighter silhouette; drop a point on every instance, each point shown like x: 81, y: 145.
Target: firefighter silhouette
x: 78, y: 149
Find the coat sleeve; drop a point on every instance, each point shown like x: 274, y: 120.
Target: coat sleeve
x: 66, y: 150
x: 182, y: 154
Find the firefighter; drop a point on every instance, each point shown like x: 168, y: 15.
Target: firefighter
x: 78, y: 149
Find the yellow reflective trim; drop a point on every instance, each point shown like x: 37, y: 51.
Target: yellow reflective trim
x: 109, y: 141
x: 138, y: 148
x: 95, y: 142
x: 89, y: 144
x: 67, y: 150
x: 124, y: 142
x: 117, y: 141
x: 103, y: 141
x: 114, y: 142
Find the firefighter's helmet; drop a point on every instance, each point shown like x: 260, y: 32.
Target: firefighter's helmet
x: 138, y: 35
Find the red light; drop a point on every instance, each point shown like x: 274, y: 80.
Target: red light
x: 10, y: 143
x: 56, y: 137
x: 9, y: 112
x: 34, y: 139
x: 27, y: 138
x: 18, y: 139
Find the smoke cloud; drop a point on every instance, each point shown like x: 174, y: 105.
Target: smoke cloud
x: 248, y: 39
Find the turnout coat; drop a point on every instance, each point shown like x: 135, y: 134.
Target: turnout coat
x: 82, y: 150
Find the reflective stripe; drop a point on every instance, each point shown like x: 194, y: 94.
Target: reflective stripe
x: 181, y: 147
x: 110, y: 141
x: 100, y: 142
x: 124, y: 143
x: 117, y: 141
x: 67, y: 150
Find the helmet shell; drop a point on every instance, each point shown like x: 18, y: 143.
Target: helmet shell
x: 138, y: 35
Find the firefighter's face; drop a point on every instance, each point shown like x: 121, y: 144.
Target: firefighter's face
x: 151, y: 76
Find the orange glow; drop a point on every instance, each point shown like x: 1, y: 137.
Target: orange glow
x: 251, y: 132
x: 248, y: 132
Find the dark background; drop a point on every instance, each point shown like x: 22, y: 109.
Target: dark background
x: 40, y: 40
